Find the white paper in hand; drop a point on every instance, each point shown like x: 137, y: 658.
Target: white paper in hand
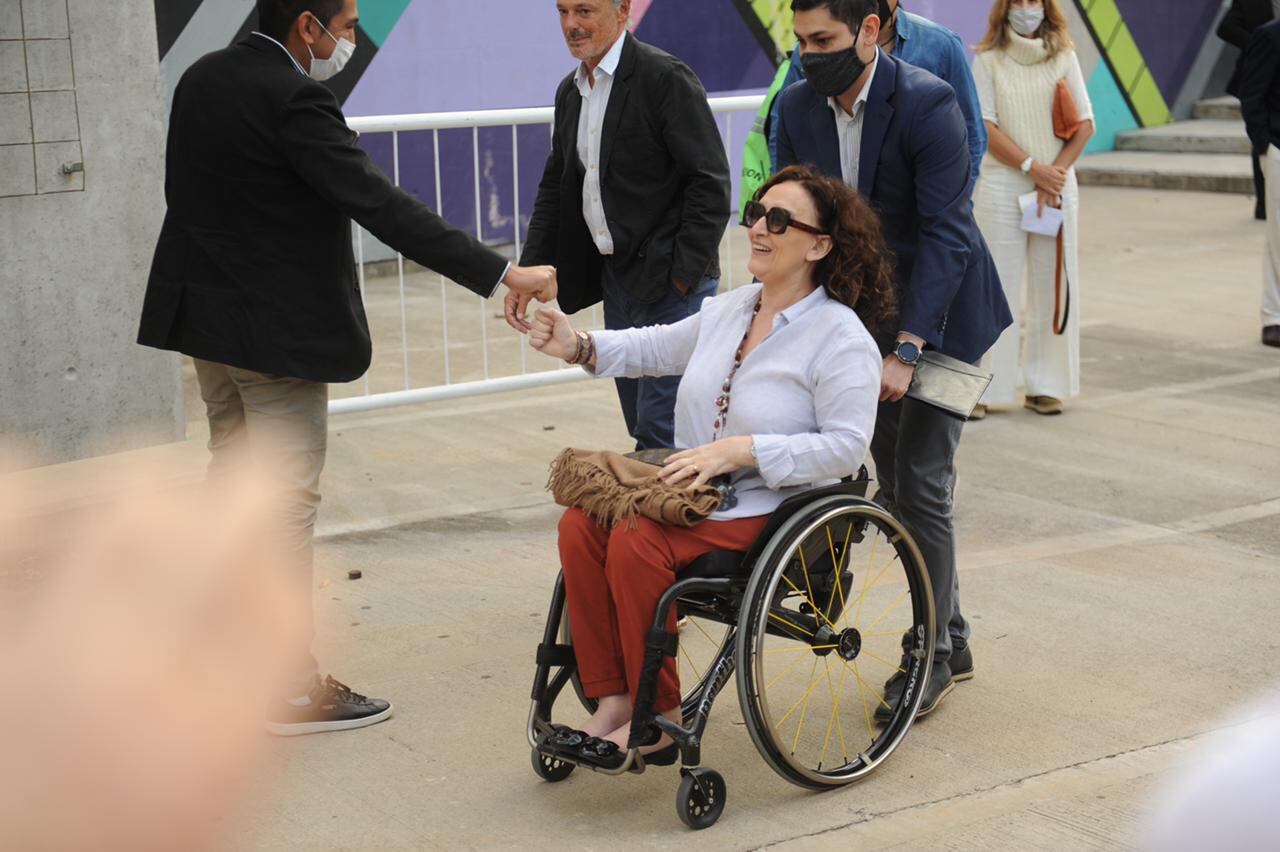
x: 1047, y: 224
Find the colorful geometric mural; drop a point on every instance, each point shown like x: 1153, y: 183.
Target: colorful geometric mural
x: 1123, y: 57
x: 430, y: 56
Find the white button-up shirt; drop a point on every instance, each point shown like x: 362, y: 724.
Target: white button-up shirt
x: 849, y: 128
x: 807, y: 394
x: 595, y: 101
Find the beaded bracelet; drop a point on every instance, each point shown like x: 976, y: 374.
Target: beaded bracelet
x: 585, y: 350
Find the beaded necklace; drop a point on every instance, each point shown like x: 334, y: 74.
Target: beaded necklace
x: 722, y: 401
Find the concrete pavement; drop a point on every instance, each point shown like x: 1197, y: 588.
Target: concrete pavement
x: 1120, y: 564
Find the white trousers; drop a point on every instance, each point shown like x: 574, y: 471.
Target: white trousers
x: 1271, y: 257
x: 1028, y: 351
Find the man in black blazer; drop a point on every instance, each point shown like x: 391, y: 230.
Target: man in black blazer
x: 901, y: 142
x: 1237, y: 28
x: 254, y: 278
x: 635, y: 195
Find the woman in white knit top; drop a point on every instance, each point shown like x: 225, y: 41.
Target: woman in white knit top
x: 1026, y: 52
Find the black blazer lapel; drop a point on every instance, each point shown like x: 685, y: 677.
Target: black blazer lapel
x: 617, y: 102
x: 875, y: 123
x: 568, y: 129
x: 826, y: 137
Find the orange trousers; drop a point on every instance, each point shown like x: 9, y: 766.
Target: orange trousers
x: 613, y: 579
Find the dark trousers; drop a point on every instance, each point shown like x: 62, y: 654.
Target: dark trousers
x: 914, y: 448
x: 1259, y: 188
x: 649, y: 404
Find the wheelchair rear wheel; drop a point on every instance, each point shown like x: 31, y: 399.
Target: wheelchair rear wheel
x: 821, y: 629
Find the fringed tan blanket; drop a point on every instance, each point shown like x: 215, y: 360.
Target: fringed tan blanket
x: 612, y: 488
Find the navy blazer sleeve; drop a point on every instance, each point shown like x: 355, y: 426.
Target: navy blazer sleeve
x: 795, y: 74
x: 1257, y: 79
x: 323, y: 151
x: 785, y: 154
x: 940, y: 154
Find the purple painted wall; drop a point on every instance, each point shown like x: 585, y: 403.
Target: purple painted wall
x: 439, y: 57
x: 437, y: 60
x: 1170, y: 36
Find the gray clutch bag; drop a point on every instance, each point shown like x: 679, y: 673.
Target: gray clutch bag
x: 951, y: 386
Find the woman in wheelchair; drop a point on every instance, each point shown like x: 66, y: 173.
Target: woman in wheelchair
x: 779, y: 389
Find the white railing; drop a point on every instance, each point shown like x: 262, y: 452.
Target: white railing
x: 523, y: 378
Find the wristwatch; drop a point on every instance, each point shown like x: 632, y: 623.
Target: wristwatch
x: 907, y: 352
x: 1027, y: 164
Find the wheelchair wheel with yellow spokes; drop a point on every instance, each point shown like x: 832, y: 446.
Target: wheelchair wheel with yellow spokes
x: 822, y: 629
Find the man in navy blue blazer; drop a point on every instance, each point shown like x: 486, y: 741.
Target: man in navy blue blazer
x: 895, y: 133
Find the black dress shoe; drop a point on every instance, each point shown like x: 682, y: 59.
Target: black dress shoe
x: 1271, y: 335
x: 961, y: 662
x: 940, y: 683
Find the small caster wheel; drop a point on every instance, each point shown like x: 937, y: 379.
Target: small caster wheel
x: 550, y: 768
x: 700, y: 800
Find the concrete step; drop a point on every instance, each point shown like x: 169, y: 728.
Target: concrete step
x: 1153, y: 170
x: 1202, y: 136
x: 1226, y: 106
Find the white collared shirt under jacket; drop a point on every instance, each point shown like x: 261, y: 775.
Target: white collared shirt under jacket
x: 807, y: 394
x: 595, y: 101
x: 849, y: 129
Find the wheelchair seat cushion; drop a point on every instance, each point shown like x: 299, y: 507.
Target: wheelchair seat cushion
x: 717, y: 563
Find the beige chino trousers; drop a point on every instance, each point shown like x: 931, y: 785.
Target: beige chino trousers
x: 280, y: 426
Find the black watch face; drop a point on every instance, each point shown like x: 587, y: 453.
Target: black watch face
x: 908, y: 352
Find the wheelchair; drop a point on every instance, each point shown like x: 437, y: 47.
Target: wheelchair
x: 831, y: 599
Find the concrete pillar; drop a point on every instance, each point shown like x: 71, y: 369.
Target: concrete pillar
x: 81, y: 202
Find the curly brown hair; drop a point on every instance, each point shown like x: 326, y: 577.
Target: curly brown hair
x: 858, y: 271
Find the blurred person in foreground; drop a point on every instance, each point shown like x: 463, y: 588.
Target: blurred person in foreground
x: 1225, y: 795
x: 254, y: 276
x: 1260, y: 102
x: 634, y: 198
x: 141, y: 642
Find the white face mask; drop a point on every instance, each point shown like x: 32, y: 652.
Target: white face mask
x: 323, y: 69
x: 1026, y: 21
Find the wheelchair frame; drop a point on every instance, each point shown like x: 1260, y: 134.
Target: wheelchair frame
x: 719, y: 599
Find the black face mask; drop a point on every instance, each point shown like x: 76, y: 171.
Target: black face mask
x: 831, y: 74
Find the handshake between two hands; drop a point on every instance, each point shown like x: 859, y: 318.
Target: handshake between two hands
x: 550, y: 332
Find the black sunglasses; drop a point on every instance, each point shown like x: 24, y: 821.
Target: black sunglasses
x: 776, y: 220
